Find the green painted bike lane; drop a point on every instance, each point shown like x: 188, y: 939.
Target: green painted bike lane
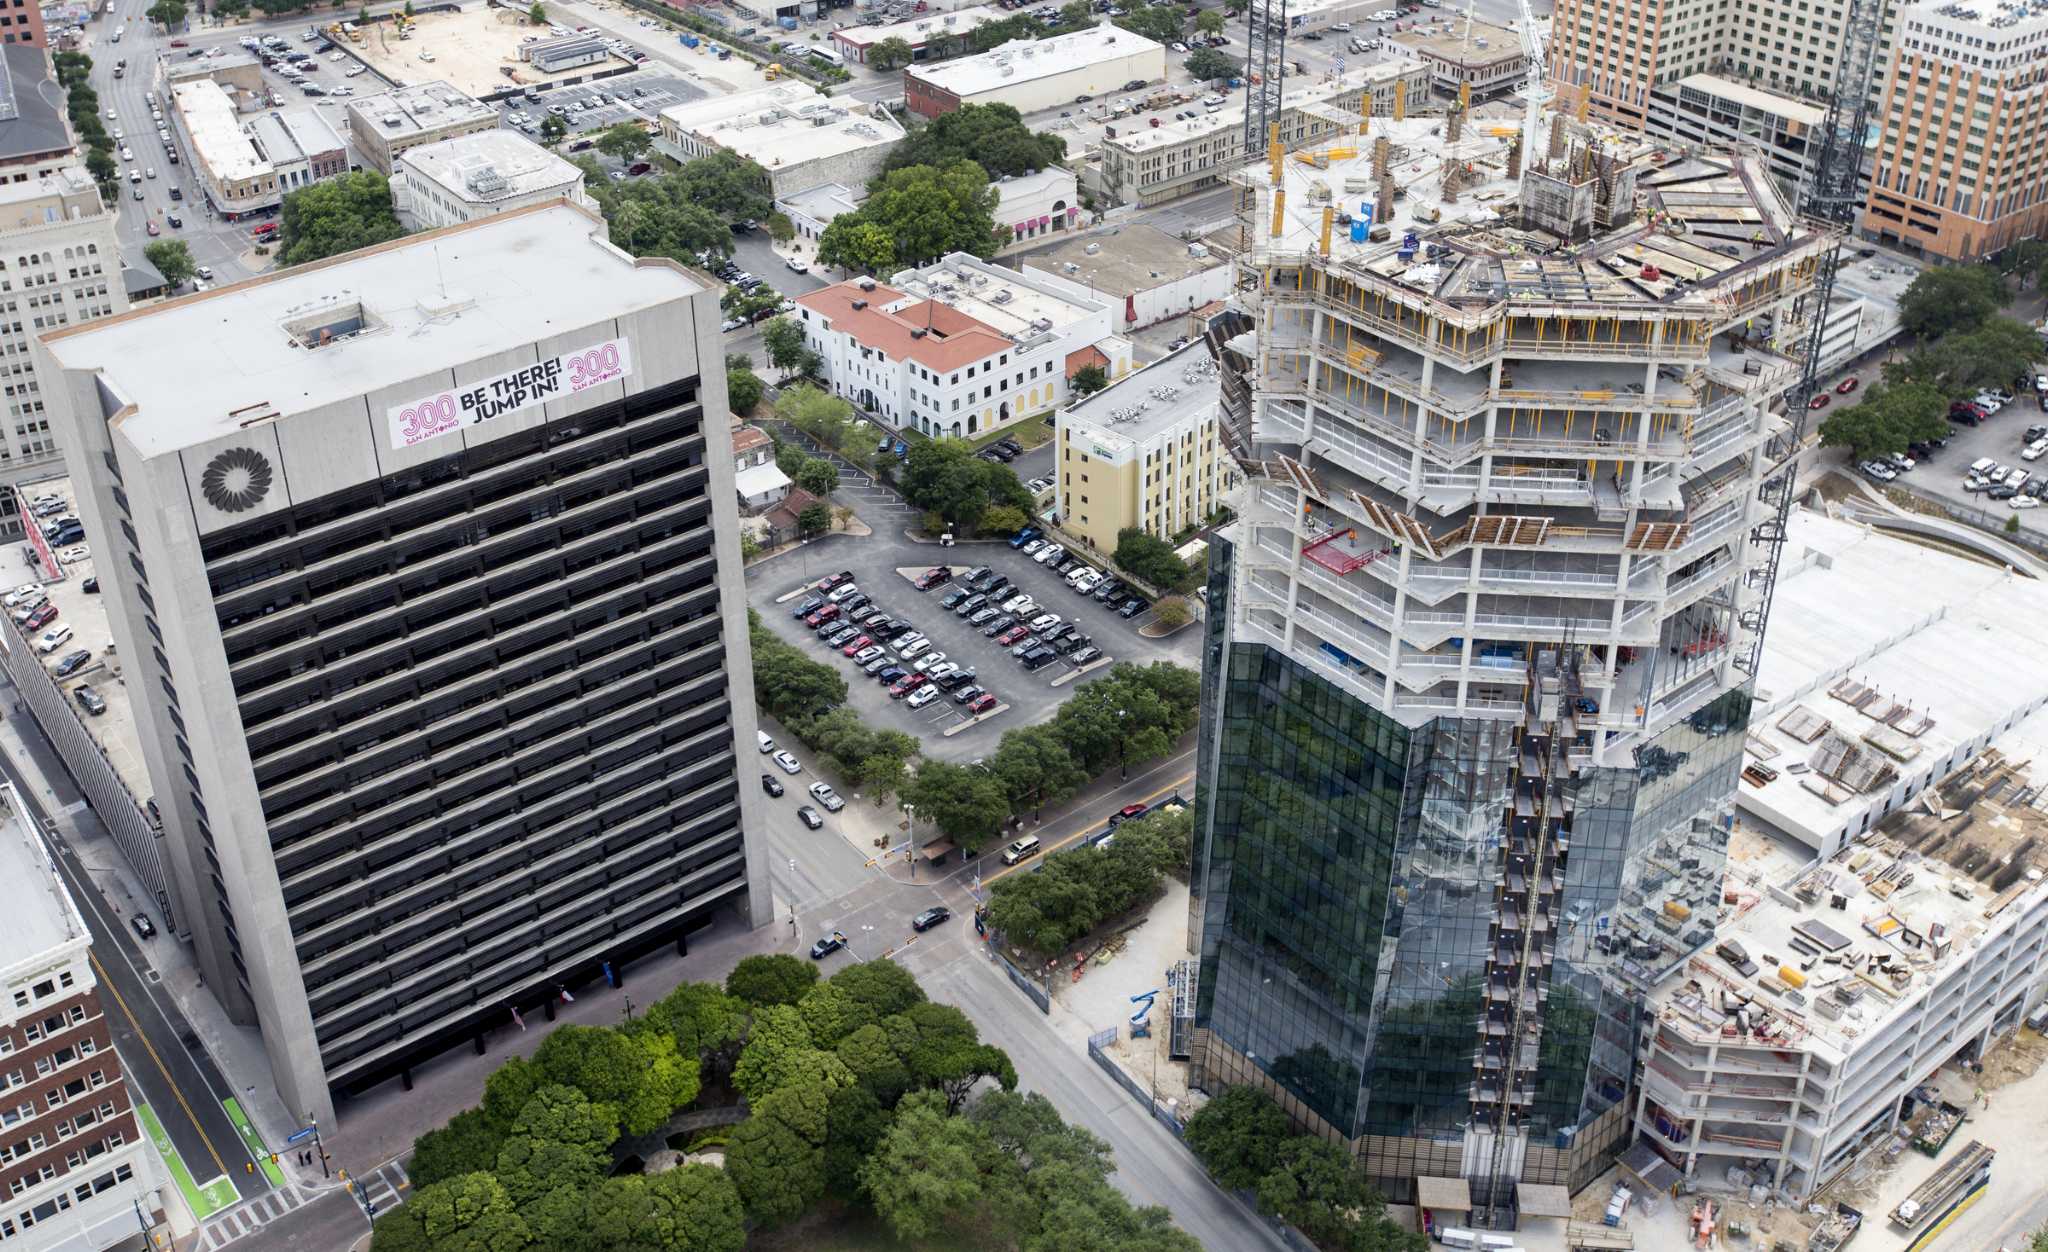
x: 255, y: 1142
x: 204, y: 1201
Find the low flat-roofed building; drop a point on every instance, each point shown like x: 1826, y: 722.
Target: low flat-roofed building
x: 565, y: 52
x: 1487, y: 58
x: 1038, y: 204
x: 1035, y: 74
x: 35, y: 140
x: 471, y: 176
x: 961, y: 346
x: 813, y: 209
x: 234, y: 175
x: 1143, y: 452
x: 1147, y: 165
x: 801, y: 138
x: 406, y: 117
x: 927, y: 33
x: 234, y: 69
x: 1308, y: 16
x: 1865, y: 695
x: 1158, y: 275
x: 1717, y: 112
x: 301, y: 147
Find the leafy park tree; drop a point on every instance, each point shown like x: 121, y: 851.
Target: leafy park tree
x: 508, y: 1089
x: 768, y: 980
x: 624, y: 140
x: 660, y: 217
x: 784, y: 340
x: 101, y: 166
x: 1035, y: 769
x: 470, y: 1211
x: 167, y: 13
x: 831, y: 1014
x: 787, y: 683
x: 1151, y: 559
x: 1173, y: 612
x: 732, y: 186
x: 993, y: 136
x: 743, y: 389
x: 891, y: 54
x: 1951, y: 298
x: 944, y: 476
x: 813, y: 519
x: 1210, y: 22
x: 819, y: 477
x: 883, y: 986
x: 855, y: 243
x: 965, y: 803
x: 468, y: 1144
x: 1992, y: 355
x: 1077, y: 13
x: 1088, y: 380
x: 335, y: 216
x: 1207, y: 64
x: 1889, y: 417
x: 776, y: 1157
x: 173, y: 260
x: 1002, y: 519
x: 538, y: 14
x: 928, y: 1169
x: 643, y: 1075
x: 1237, y: 1136
x: 694, y: 1208
x: 560, y: 1141
x: 1162, y: 24
x: 704, y: 1020
x: 552, y: 130
x: 926, y: 211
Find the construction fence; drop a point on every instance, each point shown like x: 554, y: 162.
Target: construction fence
x: 1025, y: 983
x: 1101, y: 1040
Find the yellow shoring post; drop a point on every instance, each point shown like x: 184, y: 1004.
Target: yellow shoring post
x: 1279, y: 210
x: 1329, y: 219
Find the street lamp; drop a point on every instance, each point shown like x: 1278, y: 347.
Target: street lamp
x: 910, y: 810
x: 1123, y: 768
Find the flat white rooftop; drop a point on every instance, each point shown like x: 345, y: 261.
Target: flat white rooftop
x: 1229, y: 120
x: 489, y: 166
x: 785, y: 125
x: 1176, y: 389
x: 923, y: 27
x: 210, y: 118
x: 1001, y: 298
x: 188, y: 366
x: 1755, y: 97
x: 40, y: 914
x: 1898, y: 650
x: 1022, y: 60
x: 416, y: 109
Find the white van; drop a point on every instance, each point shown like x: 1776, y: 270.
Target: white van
x: 767, y: 744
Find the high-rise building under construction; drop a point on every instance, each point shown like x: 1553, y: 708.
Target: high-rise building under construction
x: 1478, y: 652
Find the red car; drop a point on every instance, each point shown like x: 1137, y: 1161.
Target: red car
x: 1012, y: 635
x: 982, y: 703
x: 1847, y: 385
x: 153, y: 229
x: 829, y: 581
x: 822, y: 615
x: 1820, y: 401
x: 856, y: 644
x: 177, y: 43
x: 907, y: 684
x: 42, y: 617
x: 932, y: 578
x: 264, y: 231
x: 1129, y: 811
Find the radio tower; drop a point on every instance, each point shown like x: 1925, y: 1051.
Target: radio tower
x: 1832, y: 197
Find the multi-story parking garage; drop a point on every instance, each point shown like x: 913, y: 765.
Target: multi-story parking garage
x: 423, y: 566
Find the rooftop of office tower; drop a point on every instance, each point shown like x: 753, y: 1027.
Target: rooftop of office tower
x: 365, y: 328
x: 1601, y: 218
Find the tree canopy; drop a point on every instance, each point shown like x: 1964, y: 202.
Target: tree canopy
x: 775, y: 979
x: 924, y: 211
x: 891, y: 54
x: 1075, y: 891
x: 993, y: 136
x: 944, y: 476
x: 1088, y: 380
x: 1162, y: 24
x: 966, y: 803
x: 625, y: 140
x: 1151, y: 559
x: 336, y: 215
x: 1951, y: 298
x: 173, y: 260
x: 1888, y: 418
x: 1207, y: 64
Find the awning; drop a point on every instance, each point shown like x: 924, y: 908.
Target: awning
x: 1650, y: 1169
x: 935, y: 849
x: 759, y: 480
x: 1443, y: 1195
x: 1542, y: 1199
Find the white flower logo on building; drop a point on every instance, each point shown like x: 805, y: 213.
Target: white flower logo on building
x: 235, y: 480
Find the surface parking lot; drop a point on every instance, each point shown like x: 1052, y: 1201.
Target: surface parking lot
x: 884, y: 567
x: 590, y: 107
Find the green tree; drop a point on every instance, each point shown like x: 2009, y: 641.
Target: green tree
x: 1992, y: 355
x: 732, y: 186
x: 853, y: 242
x: 882, y: 985
x: 1151, y: 559
x: 334, y: 216
x: 691, y: 1209
x: 784, y: 341
x: 552, y: 130
x: 928, y: 1169
x: 1002, y: 519
x: 1314, y: 1187
x: 1035, y: 769
x: 820, y: 477
x: 891, y: 54
x: 642, y: 1074
x: 743, y: 389
x: 946, y: 477
x: 102, y: 167
x: 1951, y: 298
x: 172, y: 259
x: 703, y: 1019
x: 1161, y: 25
x: 228, y: 10
x: 1077, y: 13
x: 167, y: 13
x: 883, y: 775
x: 559, y: 1141
x: 538, y: 14
x: 1088, y: 380
x: 775, y: 979
x: 468, y: 1212
x: 776, y: 1157
x: 625, y: 140
x: 1210, y: 22
x: 468, y: 1144
x: 1237, y: 1136
x: 965, y: 803
x: 1887, y: 419
x: 1173, y: 612
x: 1207, y: 64
x: 993, y: 136
x: 787, y: 683
x: 814, y: 519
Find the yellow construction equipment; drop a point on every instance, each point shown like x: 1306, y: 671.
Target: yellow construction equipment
x: 1329, y: 219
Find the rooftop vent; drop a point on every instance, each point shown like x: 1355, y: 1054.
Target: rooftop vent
x: 866, y: 284
x: 860, y: 304
x: 330, y: 324
x: 1002, y: 297
x: 1092, y: 249
x: 917, y: 332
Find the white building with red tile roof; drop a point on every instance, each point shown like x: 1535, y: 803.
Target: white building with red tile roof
x: 961, y: 346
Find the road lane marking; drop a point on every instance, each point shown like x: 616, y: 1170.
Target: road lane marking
x: 204, y: 1200
x: 161, y: 1068
x: 1051, y: 848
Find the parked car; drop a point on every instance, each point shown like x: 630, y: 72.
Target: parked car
x: 981, y: 704
x: 90, y: 700
x: 889, y: 675
x: 927, y: 662
x: 967, y: 694
x: 958, y: 678
x: 971, y: 604
x: 982, y: 616
x: 1024, y: 536
x: 1038, y: 658
x: 922, y: 696
x: 998, y: 625
x: 786, y: 763
x: 53, y: 640
x: 1847, y: 385
x: 861, y: 645
x: 1084, y: 655
x: 143, y: 926
x: 1132, y: 607
x: 771, y: 785
x: 823, y: 794
x: 878, y: 664
x: 71, y: 664
x: 933, y: 577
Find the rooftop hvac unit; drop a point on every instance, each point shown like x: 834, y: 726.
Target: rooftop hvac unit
x: 1092, y: 249
x: 1002, y: 297
x: 866, y: 284
x: 1043, y: 323
x: 1008, y: 70
x: 917, y: 332
x: 860, y: 304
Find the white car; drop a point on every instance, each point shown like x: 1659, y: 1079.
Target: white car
x: 924, y: 663
x: 940, y: 670
x: 796, y: 266
x: 1085, y: 581
x: 911, y: 650
x: 787, y: 763
x: 1987, y: 402
x: 926, y: 694
x: 2035, y: 450
x: 1049, y: 554
x: 909, y: 640
x: 1019, y: 604
x: 865, y: 655
x: 823, y: 794
x: 53, y: 640
x: 2024, y: 501
x: 843, y: 592
x: 1044, y: 620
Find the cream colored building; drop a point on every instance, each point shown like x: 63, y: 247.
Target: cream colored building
x: 237, y: 180
x: 1143, y: 452
x: 407, y: 117
x: 495, y: 171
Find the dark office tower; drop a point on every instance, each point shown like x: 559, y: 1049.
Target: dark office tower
x: 422, y: 565
x: 1473, y: 713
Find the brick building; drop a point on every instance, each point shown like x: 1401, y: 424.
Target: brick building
x: 73, y: 1162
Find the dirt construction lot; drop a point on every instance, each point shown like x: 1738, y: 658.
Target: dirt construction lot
x: 470, y: 50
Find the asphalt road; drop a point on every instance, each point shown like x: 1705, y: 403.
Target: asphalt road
x: 181, y: 1084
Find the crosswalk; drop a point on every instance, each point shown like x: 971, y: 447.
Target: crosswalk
x: 385, y: 1187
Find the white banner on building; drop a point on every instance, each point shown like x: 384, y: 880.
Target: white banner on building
x: 446, y: 412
